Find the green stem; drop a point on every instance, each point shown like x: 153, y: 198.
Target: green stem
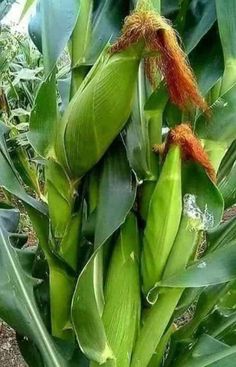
x: 157, y: 358
x: 61, y: 283
x: 154, y: 326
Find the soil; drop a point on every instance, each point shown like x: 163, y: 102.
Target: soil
x: 9, y: 353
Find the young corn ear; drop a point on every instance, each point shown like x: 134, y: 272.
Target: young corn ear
x: 166, y: 202
x: 97, y: 113
x: 192, y: 222
x: 163, y: 220
x: 100, y: 109
x: 191, y: 147
x: 160, y: 314
x: 122, y: 295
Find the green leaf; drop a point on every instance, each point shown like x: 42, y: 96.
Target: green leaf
x: 215, y: 268
x: 81, y: 35
x: 222, y: 235
x: 35, y: 28
x: 215, y: 151
x: 205, y: 306
x: 137, y: 135
x: 228, y: 188
x: 144, y: 129
x: 27, y: 5
x: 227, y: 162
x: 225, y: 362
x: 43, y: 121
x: 9, y: 178
x: 169, y: 6
x: 207, y: 345
x: 116, y: 182
x: 208, y: 197
x: 107, y: 21
x: 80, y: 42
x: 17, y: 303
x: 221, y: 126
x: 227, y: 29
x: 207, y: 62
x: 200, y: 17
x: 220, y: 323
x: 64, y: 90
x: 209, y: 352
x: 58, y: 22
x: 27, y: 170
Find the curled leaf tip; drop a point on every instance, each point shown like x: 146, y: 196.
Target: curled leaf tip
x: 163, y: 52
x: 191, y: 147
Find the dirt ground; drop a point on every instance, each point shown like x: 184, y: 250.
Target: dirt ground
x: 9, y: 352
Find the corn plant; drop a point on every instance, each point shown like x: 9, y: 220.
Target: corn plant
x: 134, y: 265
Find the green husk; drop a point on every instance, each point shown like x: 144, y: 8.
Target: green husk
x: 155, y: 324
x: 161, y: 313
x: 122, y: 295
x: 99, y: 111
x: 163, y: 220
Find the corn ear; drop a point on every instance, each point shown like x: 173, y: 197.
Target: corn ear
x: 162, y: 311
x: 182, y: 250
x: 163, y: 220
x: 155, y: 324
x: 87, y: 309
x: 122, y: 295
x: 97, y: 113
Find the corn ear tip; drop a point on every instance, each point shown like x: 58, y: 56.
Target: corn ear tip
x: 191, y: 147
